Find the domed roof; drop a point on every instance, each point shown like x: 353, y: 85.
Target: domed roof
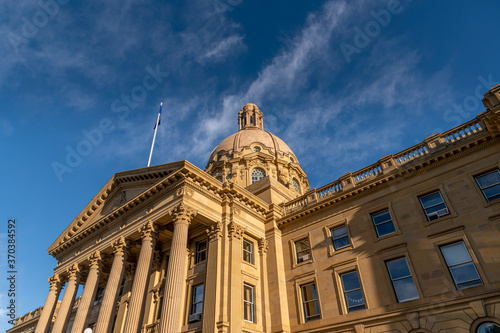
x: 250, y: 120
x: 246, y: 137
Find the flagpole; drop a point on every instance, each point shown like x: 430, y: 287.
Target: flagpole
x: 154, y: 137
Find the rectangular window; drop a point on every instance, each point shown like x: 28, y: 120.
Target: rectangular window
x: 383, y: 223
x: 489, y: 183
x: 248, y: 303
x: 196, y: 303
x: 460, y: 264
x: 434, y: 205
x: 310, y: 301
x: 303, y: 250
x: 340, y: 237
x: 352, y: 291
x: 248, y: 251
x: 201, y: 251
x: 402, y: 280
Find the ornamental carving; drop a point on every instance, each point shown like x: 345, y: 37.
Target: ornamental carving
x: 120, y: 246
x: 73, y: 272
x: 235, y: 230
x: 95, y: 260
x: 237, y: 210
x: 184, y: 191
x: 55, y: 282
x: 263, y: 245
x: 215, y: 231
x: 148, y: 230
x: 182, y: 214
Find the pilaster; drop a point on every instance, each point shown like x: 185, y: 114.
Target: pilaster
x: 235, y: 232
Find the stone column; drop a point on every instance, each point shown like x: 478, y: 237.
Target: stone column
x: 213, y: 280
x: 108, y: 304
x: 123, y: 299
x: 266, y: 320
x: 235, y: 281
x: 67, y: 303
x: 133, y: 321
x: 170, y: 321
x: 50, y: 305
x: 89, y: 292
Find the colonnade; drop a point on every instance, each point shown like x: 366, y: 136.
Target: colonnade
x: 170, y: 320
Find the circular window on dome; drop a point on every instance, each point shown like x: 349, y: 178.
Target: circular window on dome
x: 488, y: 328
x: 296, y: 186
x: 257, y: 174
x: 292, y: 160
x: 256, y: 149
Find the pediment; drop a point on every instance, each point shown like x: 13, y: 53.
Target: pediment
x: 120, y: 189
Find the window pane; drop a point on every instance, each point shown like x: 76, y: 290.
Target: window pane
x: 385, y: 229
x: 431, y: 199
x: 248, y: 293
x: 350, y: 281
x: 492, y: 193
x: 354, y: 298
x: 339, y: 232
x: 311, y: 309
x: 465, y: 272
x: 398, y: 268
x: 302, y: 245
x: 199, y: 293
x: 442, y: 209
x: 341, y: 243
x: 455, y: 253
x: 489, y: 179
x: 381, y: 217
x: 247, y: 246
x: 405, y: 289
x: 198, y: 308
x: 309, y: 292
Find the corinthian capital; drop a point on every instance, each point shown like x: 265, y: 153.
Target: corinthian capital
x: 95, y: 260
x: 55, y: 282
x: 235, y: 230
x: 215, y: 231
x: 120, y: 246
x: 148, y: 230
x: 73, y: 272
x: 183, y: 214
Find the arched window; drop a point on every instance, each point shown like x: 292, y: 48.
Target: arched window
x: 488, y: 327
x: 219, y: 178
x: 257, y: 174
x: 296, y: 185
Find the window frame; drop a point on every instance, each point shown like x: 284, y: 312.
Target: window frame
x: 482, y: 174
x: 401, y: 278
x: 444, y: 201
x: 252, y: 175
x: 250, y: 253
x: 252, y: 303
x: 194, y: 303
x: 471, y: 260
x: 304, y: 302
x: 375, y: 226
x: 297, y: 257
x: 197, y: 254
x: 344, y: 291
x: 335, y: 239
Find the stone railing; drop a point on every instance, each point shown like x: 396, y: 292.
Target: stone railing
x: 388, y: 163
x: 29, y: 316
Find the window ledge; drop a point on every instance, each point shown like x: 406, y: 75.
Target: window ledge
x: 440, y: 219
x: 395, y: 233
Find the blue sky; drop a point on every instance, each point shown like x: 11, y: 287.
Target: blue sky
x: 342, y: 82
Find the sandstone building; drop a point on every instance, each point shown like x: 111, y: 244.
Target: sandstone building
x: 410, y: 243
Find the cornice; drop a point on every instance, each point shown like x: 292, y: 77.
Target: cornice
x: 407, y: 171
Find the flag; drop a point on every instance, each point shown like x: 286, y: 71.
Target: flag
x: 159, y: 118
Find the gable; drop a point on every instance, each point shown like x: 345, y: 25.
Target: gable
x: 120, y: 189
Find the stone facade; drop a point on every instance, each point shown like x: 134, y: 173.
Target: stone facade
x: 408, y: 244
